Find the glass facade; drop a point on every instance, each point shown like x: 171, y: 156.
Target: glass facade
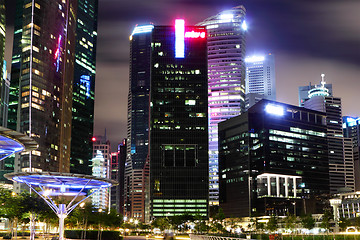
x: 41, y: 84
x: 84, y: 87
x: 226, y: 79
x: 269, y: 159
x: 178, y: 122
x: 138, y: 121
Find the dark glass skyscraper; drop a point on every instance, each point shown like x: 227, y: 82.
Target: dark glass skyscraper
x: 41, y: 84
x: 2, y: 34
x: 84, y: 87
x: 4, y: 80
x: 138, y: 122
x: 271, y: 157
x: 178, y: 121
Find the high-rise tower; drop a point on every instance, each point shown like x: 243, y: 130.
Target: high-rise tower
x: 4, y: 87
x: 178, y: 121
x: 138, y: 122
x: 260, y: 78
x: 226, y: 79
x: 84, y: 86
x: 41, y: 81
x: 321, y: 100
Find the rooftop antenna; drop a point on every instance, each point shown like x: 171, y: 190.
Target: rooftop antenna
x: 323, y: 80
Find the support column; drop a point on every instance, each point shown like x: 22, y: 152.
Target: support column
x: 62, y: 215
x: 294, y: 186
x: 286, y: 187
x: 277, y: 186
x: 269, y: 185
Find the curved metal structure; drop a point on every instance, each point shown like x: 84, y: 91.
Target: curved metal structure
x: 13, y: 142
x: 48, y: 184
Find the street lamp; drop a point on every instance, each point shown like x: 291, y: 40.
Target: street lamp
x: 335, y: 202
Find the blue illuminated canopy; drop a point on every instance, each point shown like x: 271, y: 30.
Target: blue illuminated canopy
x: 13, y: 142
x: 61, y: 181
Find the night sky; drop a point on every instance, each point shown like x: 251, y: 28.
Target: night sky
x: 307, y: 38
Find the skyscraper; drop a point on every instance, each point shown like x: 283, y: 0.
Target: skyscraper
x: 2, y: 33
x: 271, y: 157
x: 84, y: 86
x: 351, y: 129
x: 226, y: 79
x: 320, y: 100
x: 260, y: 77
x: 101, y: 165
x: 41, y: 85
x: 138, y: 122
x: 4, y: 87
x: 178, y: 121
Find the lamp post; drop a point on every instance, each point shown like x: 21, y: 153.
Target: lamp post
x: 335, y: 202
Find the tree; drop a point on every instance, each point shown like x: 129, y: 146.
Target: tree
x: 11, y: 208
x: 290, y: 222
x: 162, y: 223
x: 326, y: 218
x: 272, y: 224
x: 307, y: 221
x: 344, y: 223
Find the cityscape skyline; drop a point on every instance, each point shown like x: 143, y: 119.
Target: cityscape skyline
x: 326, y: 42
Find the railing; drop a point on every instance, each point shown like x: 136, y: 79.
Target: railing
x: 206, y: 237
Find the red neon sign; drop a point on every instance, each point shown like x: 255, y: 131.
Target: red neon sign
x: 194, y: 34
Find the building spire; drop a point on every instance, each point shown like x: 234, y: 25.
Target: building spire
x: 323, y: 80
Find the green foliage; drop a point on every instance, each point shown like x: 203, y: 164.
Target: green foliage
x: 307, y: 221
x: 272, y: 224
x: 201, y: 226
x: 326, y: 218
x: 220, y: 215
x: 344, y: 223
x: 161, y: 223
x: 290, y: 222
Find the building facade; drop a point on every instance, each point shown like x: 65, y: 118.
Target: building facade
x: 138, y: 122
x: 84, y: 87
x: 351, y: 129
x: 260, y: 76
x: 178, y: 121
x: 40, y: 100
x: 226, y: 79
x: 4, y: 87
x: 320, y: 100
x: 273, y: 161
x: 100, y: 167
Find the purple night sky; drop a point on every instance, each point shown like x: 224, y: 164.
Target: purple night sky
x: 307, y: 38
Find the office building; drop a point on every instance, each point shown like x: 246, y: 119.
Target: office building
x: 4, y: 97
x: 321, y: 100
x: 273, y: 161
x: 351, y: 130
x: 179, y: 121
x: 40, y: 98
x: 84, y: 86
x: 114, y: 175
x: 138, y: 122
x: 2, y: 35
x: 100, y: 166
x: 260, y: 77
x: 226, y: 79
x: 117, y: 170
x: 121, y: 173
